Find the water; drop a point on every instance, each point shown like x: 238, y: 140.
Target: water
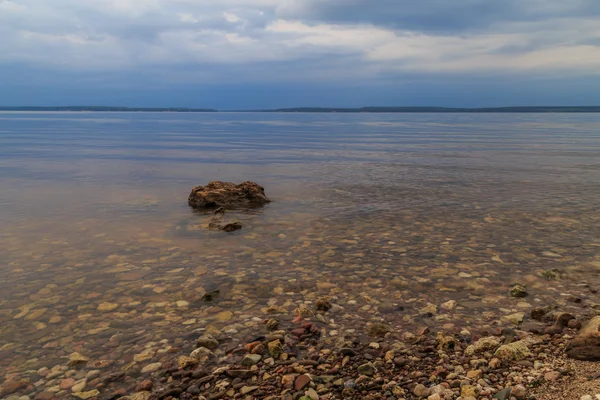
x: 384, y: 213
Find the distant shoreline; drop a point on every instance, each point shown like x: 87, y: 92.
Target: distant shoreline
x: 525, y: 109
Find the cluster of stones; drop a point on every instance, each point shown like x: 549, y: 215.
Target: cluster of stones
x: 289, y: 361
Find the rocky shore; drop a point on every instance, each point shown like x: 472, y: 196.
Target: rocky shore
x: 301, y: 357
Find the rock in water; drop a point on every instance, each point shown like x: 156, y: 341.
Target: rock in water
x: 228, y: 195
x: 561, y: 320
x: 518, y: 291
x: 586, y: 345
x: 228, y: 227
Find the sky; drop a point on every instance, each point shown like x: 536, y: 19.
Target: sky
x: 256, y: 54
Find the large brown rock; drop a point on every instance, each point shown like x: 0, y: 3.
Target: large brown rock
x: 228, y: 196
x: 586, y: 345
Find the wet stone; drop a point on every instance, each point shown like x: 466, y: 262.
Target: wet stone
x: 45, y: 396
x: 207, y: 341
x: 240, y: 373
x: 366, y: 369
x: 515, y: 351
x: 518, y: 291
x: 378, y: 329
x: 346, y: 351
x: 250, y: 360
x: 248, y: 389
x: 504, y: 394
x: 193, y: 389
x: 144, y: 386
x: 87, y: 395
x: 301, y: 382
x: 151, y: 368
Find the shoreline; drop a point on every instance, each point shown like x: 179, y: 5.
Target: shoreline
x: 298, y: 356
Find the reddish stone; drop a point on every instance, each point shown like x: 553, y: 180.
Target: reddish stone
x: 145, y: 386
x: 94, y: 382
x: 258, y: 349
x: 301, y: 382
x: 10, y: 387
x: 120, y: 392
x: 298, y: 332
x: 297, y: 319
x: 45, y: 396
x: 251, y: 346
x: 67, y: 384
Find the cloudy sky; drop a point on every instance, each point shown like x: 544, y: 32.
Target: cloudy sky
x: 232, y: 54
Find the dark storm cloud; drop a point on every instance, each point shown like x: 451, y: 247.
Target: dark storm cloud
x: 439, y: 16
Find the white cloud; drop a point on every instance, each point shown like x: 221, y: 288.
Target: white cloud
x: 135, y: 34
x: 230, y: 17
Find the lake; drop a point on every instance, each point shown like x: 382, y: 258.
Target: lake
x: 392, y: 216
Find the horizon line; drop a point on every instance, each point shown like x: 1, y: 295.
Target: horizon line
x: 308, y: 109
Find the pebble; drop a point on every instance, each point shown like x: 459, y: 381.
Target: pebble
x: 87, y: 395
x: 194, y: 390
x: 67, y: 384
x: 504, y: 394
x: 144, y: 386
x: 518, y: 291
x: 346, y: 351
x: 106, y: 307
x: 224, y: 316
x: 312, y: 394
x: 288, y: 380
x: 483, y: 344
x: 250, y: 360
x: 421, y: 391
x: 515, y: 351
x: 449, y: 305
x: 207, y: 341
x: 301, y: 382
x: 366, y: 369
x: 151, y: 368
x: 519, y: 392
x: 45, y: 395
x: 275, y: 349
x: 248, y: 389
x: 469, y: 391
x: 79, y: 386
x: 474, y: 374
x: 551, y: 376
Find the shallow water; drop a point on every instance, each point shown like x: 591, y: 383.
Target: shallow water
x: 385, y: 213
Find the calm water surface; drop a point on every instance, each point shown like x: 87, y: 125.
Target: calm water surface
x: 385, y: 213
